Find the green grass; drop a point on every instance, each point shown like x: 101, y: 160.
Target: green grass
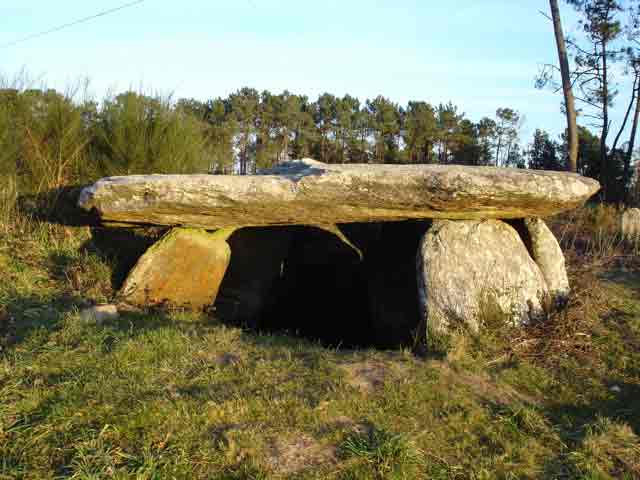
x: 388, y: 455
x: 178, y: 395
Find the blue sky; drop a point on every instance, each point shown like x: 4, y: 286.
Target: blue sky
x: 480, y: 54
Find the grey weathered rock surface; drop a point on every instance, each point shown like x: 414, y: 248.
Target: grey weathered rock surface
x: 183, y: 269
x: 468, y: 270
x: 630, y: 223
x: 548, y: 255
x: 307, y: 192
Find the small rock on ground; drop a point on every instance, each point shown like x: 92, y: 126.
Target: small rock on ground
x: 99, y: 314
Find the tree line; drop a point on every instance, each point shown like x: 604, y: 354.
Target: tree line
x: 48, y: 139
x: 267, y: 128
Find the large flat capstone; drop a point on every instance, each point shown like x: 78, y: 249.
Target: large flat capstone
x: 307, y: 192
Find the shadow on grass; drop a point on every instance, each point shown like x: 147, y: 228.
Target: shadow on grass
x: 575, y: 423
x: 121, y: 248
x: 23, y: 315
x: 621, y: 406
x: 629, y: 278
x: 59, y: 206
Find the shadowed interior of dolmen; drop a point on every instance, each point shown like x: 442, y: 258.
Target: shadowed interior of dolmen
x: 308, y: 282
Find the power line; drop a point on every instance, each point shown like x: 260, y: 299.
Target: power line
x: 70, y: 24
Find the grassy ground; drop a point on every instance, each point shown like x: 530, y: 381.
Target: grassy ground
x: 183, y: 396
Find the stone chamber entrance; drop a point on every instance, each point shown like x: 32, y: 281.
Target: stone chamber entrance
x: 358, y: 291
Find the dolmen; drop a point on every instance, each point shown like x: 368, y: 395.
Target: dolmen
x: 401, y: 251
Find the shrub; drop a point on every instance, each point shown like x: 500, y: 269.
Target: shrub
x: 135, y: 133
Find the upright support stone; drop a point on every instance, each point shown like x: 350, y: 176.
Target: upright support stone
x: 183, y: 269
x: 471, y: 272
x: 546, y: 252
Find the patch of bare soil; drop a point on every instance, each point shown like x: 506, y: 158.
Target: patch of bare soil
x: 297, y: 453
x: 220, y: 359
x: 370, y: 375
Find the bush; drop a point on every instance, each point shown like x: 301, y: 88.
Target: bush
x: 134, y: 133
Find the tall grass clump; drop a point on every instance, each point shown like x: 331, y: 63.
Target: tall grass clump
x: 593, y: 233
x: 388, y: 455
x: 55, y: 140
x: 8, y: 186
x: 135, y: 133
x: 43, y: 139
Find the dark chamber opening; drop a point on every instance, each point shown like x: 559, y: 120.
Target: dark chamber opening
x: 307, y: 281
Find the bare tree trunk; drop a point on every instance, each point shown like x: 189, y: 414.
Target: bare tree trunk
x: 243, y: 154
x: 605, y: 122
x: 284, y: 153
x: 626, y: 116
x: 569, y: 101
x: 634, y: 128
x: 632, y: 139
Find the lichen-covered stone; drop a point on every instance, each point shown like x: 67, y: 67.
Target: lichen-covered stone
x: 307, y: 192
x: 630, y: 223
x: 548, y: 255
x: 183, y: 269
x: 472, y: 272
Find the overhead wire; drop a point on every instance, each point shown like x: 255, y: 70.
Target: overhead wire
x: 70, y: 24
